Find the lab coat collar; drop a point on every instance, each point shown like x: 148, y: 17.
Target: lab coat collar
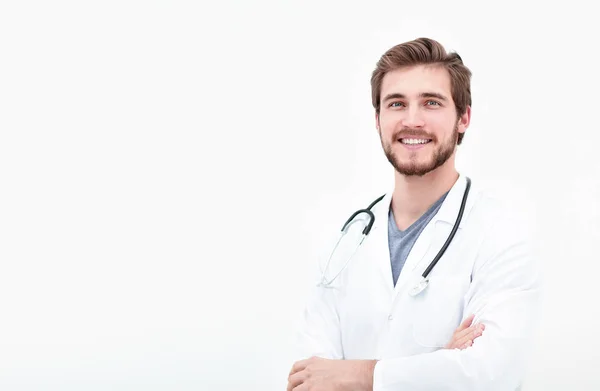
x: 449, y: 210
x: 447, y: 213
x: 379, y: 244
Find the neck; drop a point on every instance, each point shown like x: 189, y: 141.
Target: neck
x: 414, y: 195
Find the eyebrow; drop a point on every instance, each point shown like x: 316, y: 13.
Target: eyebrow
x: 422, y: 95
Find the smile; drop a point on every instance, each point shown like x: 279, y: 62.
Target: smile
x: 414, y: 141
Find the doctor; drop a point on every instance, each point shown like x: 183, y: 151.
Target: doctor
x: 371, y: 328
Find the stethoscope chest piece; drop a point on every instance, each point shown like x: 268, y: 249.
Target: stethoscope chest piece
x: 419, y: 287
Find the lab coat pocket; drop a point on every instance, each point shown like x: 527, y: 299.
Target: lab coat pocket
x: 438, y: 310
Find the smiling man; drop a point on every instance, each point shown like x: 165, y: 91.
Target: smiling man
x: 443, y: 259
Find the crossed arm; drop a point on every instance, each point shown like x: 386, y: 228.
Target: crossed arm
x: 504, y: 293
x: 330, y: 374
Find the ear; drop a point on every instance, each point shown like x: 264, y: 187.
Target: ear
x: 377, y: 122
x: 464, y: 120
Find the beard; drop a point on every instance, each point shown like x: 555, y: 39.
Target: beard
x: 413, y: 167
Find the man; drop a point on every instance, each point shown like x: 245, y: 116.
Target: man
x: 368, y: 331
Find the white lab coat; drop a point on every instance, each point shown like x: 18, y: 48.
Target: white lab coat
x: 488, y: 270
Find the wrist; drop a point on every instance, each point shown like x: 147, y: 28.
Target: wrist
x: 367, y: 375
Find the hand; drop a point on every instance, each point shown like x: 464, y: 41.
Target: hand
x: 315, y: 374
x: 465, y: 334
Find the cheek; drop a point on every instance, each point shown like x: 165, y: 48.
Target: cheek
x: 437, y: 118
x: 442, y: 125
x: 388, y: 124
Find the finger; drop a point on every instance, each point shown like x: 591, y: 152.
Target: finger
x: 459, y: 332
x: 466, y: 323
x: 459, y: 344
x: 459, y: 338
x: 301, y: 387
x: 299, y: 366
x: 296, y: 379
x: 471, y: 331
x: 469, y: 334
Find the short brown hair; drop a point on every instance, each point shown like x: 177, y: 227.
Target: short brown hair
x: 425, y: 51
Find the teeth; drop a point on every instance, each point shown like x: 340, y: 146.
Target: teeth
x: 413, y: 141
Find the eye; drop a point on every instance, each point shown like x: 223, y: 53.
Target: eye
x: 435, y: 103
x: 395, y: 104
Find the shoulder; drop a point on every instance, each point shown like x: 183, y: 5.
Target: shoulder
x: 327, y: 216
x: 504, y: 209
x: 336, y: 208
x: 506, y: 216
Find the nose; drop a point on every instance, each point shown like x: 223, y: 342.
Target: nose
x: 413, y: 118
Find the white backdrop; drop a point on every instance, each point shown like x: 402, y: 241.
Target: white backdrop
x: 167, y: 170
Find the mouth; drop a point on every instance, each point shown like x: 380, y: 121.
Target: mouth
x: 414, y: 141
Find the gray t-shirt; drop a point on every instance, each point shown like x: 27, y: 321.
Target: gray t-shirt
x: 401, y: 242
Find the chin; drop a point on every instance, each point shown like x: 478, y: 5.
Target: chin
x: 415, y: 172
x: 413, y: 168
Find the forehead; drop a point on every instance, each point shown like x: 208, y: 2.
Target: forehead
x: 412, y: 81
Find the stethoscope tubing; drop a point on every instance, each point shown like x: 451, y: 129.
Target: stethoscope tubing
x: 424, y: 281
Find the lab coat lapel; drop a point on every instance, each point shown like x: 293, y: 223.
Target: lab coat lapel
x: 379, y: 252
x: 416, y: 256
x: 432, y: 237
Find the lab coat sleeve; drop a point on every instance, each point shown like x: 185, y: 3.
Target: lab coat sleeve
x: 504, y: 295
x: 318, y: 333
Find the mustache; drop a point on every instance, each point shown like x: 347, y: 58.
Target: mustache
x: 412, y: 133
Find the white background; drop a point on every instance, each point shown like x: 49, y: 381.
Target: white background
x: 168, y: 168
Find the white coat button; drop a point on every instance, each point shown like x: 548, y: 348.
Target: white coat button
x: 391, y: 317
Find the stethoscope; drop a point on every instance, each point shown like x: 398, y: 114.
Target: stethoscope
x: 424, y: 280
